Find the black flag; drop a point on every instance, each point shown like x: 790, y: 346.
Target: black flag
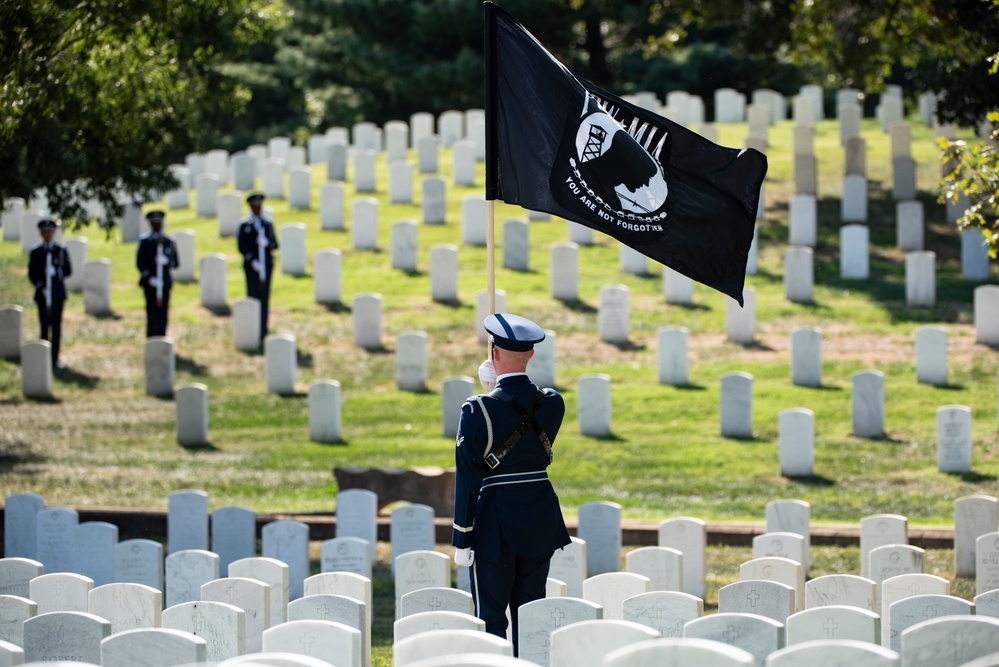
x: 557, y: 143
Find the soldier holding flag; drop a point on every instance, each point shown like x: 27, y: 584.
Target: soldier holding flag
x: 48, y: 266
x: 257, y: 243
x: 156, y: 255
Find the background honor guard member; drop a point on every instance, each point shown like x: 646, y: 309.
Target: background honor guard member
x: 48, y: 266
x: 507, y: 519
x: 257, y: 243
x: 156, y: 255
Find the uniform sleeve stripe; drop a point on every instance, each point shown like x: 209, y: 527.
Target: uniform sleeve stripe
x: 461, y: 529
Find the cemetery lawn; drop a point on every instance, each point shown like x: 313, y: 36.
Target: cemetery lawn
x: 101, y: 442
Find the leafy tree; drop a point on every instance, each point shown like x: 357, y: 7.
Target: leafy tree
x: 99, y: 96
x: 380, y: 60
x: 973, y: 172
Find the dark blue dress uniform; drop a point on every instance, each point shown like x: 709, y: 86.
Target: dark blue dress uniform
x: 250, y: 230
x: 157, y: 310
x: 49, y: 314
x: 509, y: 515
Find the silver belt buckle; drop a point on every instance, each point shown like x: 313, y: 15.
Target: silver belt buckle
x: 492, y: 461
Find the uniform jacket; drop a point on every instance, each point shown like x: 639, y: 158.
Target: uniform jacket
x: 513, y: 503
x: 247, y: 244
x: 36, y: 271
x: 145, y: 259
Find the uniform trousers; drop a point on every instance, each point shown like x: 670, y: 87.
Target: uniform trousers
x: 255, y: 289
x: 156, y: 315
x: 514, y: 580
x: 51, y: 326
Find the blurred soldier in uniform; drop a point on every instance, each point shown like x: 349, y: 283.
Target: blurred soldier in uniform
x: 48, y: 266
x: 257, y: 243
x: 507, y: 519
x: 156, y: 255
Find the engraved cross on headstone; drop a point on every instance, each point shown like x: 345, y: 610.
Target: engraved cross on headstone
x: 752, y: 597
x: 307, y: 640
x: 324, y: 610
x: 557, y: 616
x: 730, y: 634
x: 830, y: 626
x: 231, y: 594
x: 199, y: 622
x: 434, y: 603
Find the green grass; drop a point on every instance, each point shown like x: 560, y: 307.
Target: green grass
x: 100, y: 442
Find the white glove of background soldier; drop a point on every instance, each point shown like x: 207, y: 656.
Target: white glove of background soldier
x: 464, y: 557
x: 262, y: 241
x: 51, y: 270
x: 154, y: 282
x: 162, y: 260
x: 255, y: 265
x: 487, y: 374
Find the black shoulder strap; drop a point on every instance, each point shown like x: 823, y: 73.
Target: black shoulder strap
x: 526, y: 419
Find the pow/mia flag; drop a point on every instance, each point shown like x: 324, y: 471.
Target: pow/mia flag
x: 557, y: 143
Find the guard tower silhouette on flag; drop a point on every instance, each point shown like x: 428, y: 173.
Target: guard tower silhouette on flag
x: 594, y: 143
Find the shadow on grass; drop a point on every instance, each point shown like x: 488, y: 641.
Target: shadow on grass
x: 949, y: 387
x: 972, y: 477
x: 49, y: 400
x: 189, y: 365
x: 70, y: 376
x: 107, y: 316
x: 200, y: 447
x: 220, y: 311
x: 381, y: 349
x: 413, y: 273
x: 756, y: 345
x: 628, y: 346
x: 332, y: 443
x: 336, y: 307
x: 821, y: 387
x: 812, y: 480
x: 687, y: 386
x: 18, y: 453
x: 294, y: 394
x: 749, y: 439
x: 454, y: 304
x: 578, y: 306
x: 304, y: 359
x: 610, y: 437
x: 691, y: 306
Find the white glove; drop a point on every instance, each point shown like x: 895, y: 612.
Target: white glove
x: 51, y: 270
x: 154, y: 282
x: 262, y: 241
x: 464, y: 557
x: 487, y: 374
x: 162, y: 260
x: 256, y: 265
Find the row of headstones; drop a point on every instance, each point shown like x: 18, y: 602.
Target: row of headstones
x: 971, y: 515
x: 242, y: 613
x: 771, y: 587
x: 553, y: 631
x: 325, y: 416
x: 564, y: 273
x: 854, y: 243
x: 53, y: 537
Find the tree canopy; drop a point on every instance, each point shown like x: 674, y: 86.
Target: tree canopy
x: 99, y: 96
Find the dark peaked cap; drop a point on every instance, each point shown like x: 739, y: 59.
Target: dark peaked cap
x: 255, y: 198
x: 47, y: 223
x: 155, y: 215
x: 513, y: 332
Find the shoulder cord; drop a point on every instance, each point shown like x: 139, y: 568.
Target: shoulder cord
x: 489, y: 425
